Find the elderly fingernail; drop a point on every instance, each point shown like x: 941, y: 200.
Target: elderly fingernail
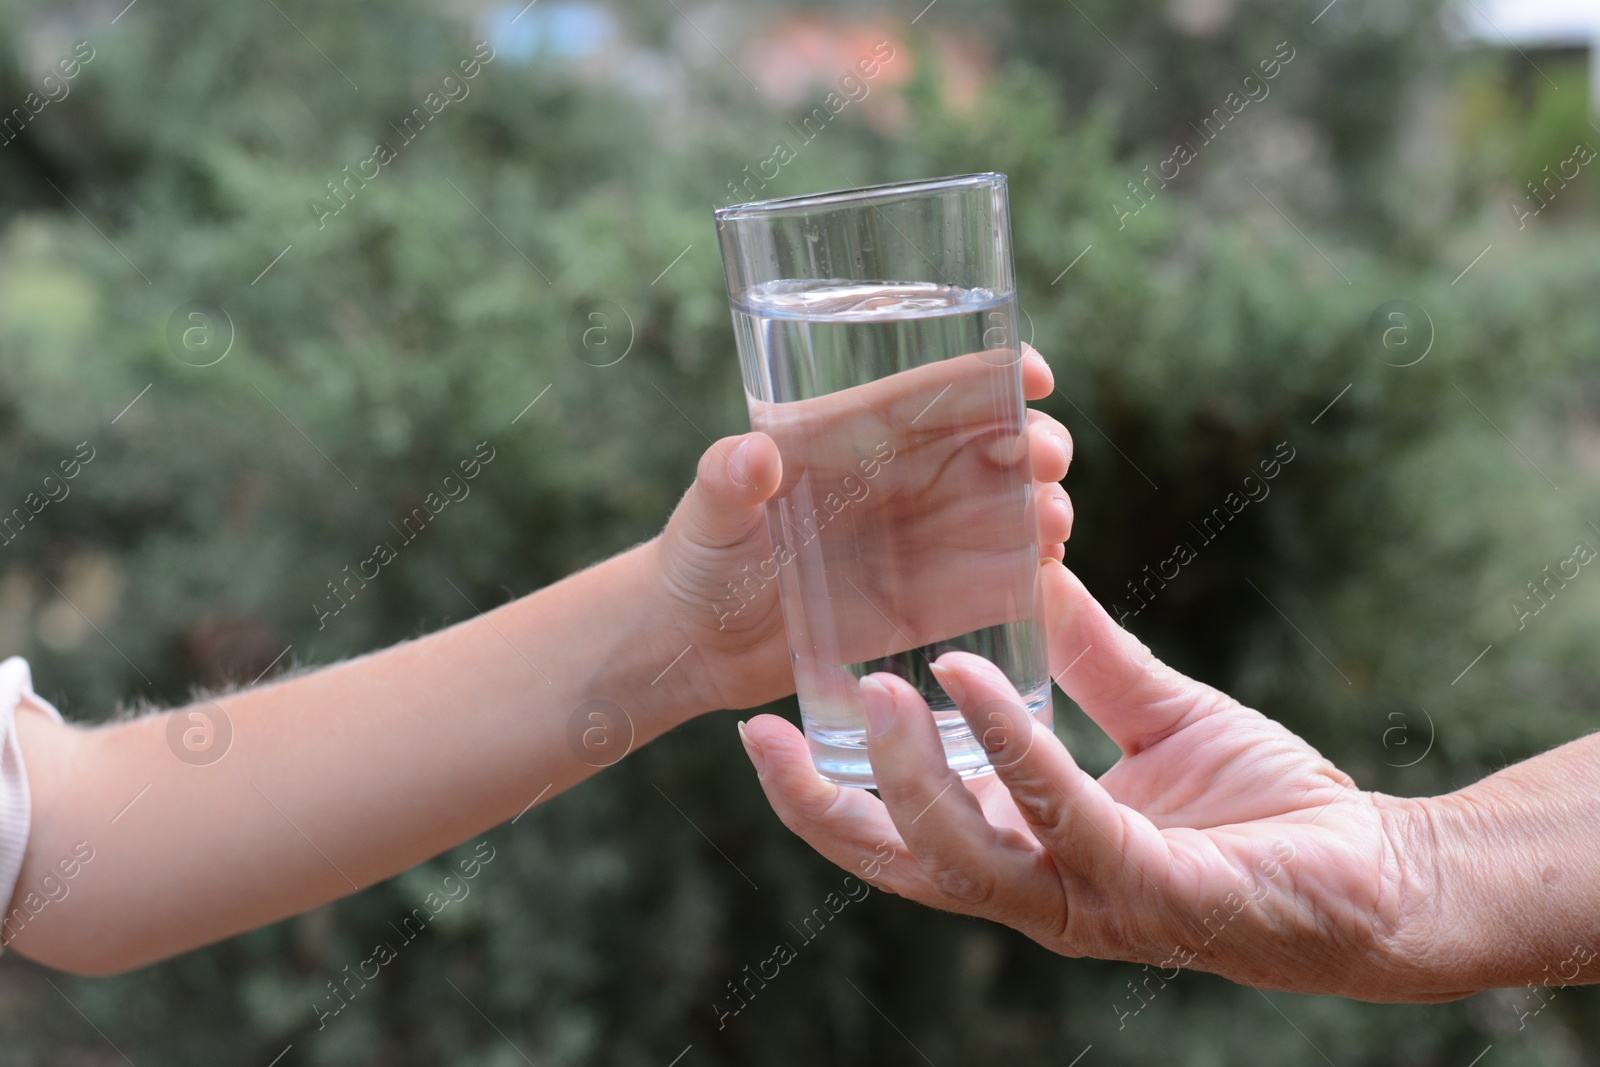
x: 758, y: 756
x: 877, y: 703
x: 950, y: 682
x: 1006, y: 732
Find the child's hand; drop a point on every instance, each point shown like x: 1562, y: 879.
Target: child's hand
x: 729, y: 616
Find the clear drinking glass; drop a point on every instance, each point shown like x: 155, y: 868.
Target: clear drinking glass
x: 877, y: 333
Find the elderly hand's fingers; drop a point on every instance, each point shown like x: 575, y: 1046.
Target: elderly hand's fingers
x: 1049, y: 447
x: 1134, y: 697
x: 1097, y: 843
x: 975, y: 866
x: 848, y: 826
x: 1038, y: 380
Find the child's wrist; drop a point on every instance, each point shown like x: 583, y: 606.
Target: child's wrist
x: 671, y: 670
x: 608, y: 638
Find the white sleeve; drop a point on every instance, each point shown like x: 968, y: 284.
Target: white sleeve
x: 16, y: 807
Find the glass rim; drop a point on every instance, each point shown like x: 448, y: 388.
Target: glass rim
x: 860, y: 195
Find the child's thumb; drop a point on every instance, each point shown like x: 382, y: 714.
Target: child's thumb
x: 736, y: 476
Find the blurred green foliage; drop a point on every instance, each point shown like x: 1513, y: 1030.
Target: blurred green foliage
x: 384, y: 344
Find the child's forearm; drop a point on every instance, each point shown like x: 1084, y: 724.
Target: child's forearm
x: 343, y: 777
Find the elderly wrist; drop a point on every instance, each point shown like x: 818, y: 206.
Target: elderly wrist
x: 1433, y: 951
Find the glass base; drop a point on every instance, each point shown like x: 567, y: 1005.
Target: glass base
x: 840, y: 756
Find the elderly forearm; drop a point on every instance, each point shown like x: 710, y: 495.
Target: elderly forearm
x: 1518, y: 876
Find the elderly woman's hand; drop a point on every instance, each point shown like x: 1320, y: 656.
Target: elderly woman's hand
x: 1220, y: 841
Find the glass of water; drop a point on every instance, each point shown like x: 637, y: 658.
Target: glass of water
x: 877, y: 334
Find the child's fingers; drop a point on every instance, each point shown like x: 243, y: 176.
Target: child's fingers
x: 1038, y: 381
x: 1049, y: 456
x: 741, y: 470
x: 736, y: 475
x: 1053, y: 513
x: 1049, y: 447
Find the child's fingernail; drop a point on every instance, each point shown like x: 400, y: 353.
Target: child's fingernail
x: 951, y: 684
x: 757, y: 755
x: 736, y: 465
x: 1063, y: 510
x: 878, y: 704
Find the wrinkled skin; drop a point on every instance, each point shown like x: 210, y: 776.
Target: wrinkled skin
x: 1220, y: 840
